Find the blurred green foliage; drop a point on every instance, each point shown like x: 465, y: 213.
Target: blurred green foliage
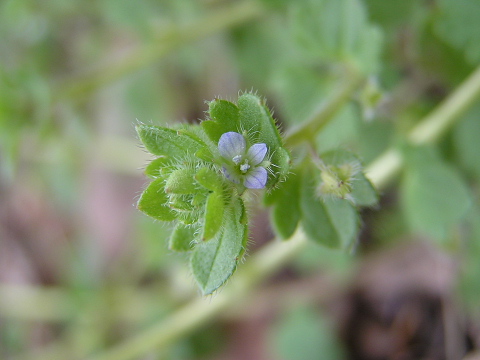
x: 75, y: 76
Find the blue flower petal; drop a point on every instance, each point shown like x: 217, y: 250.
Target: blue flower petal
x: 257, y: 153
x: 231, y: 144
x: 256, y: 179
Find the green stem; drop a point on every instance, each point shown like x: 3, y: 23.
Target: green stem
x: 232, y: 15
x: 308, y: 130
x: 429, y: 129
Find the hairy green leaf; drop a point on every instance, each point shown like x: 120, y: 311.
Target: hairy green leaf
x: 209, y: 179
x: 154, y: 201
x: 154, y: 168
x: 214, y: 261
x: 182, y: 238
x: 214, y: 209
x: 167, y: 142
x: 224, y: 118
x: 181, y: 181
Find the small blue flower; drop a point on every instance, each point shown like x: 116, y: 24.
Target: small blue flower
x: 241, y: 165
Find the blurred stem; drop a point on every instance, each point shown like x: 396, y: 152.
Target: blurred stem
x: 230, y: 15
x: 277, y: 253
x: 429, y: 129
x: 308, y: 130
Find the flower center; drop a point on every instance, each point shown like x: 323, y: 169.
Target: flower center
x: 244, y: 167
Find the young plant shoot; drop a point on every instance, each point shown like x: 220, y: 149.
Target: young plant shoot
x: 203, y: 174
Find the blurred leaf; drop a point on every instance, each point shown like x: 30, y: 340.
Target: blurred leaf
x: 286, y: 207
x: 466, y: 137
x: 434, y: 196
x: 338, y: 31
x: 329, y: 222
x: 391, y: 13
x: 302, y: 334
x: 458, y: 25
x: 363, y: 193
x: 341, y: 130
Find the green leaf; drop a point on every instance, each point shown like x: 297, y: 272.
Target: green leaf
x: 255, y: 117
x: 330, y: 222
x: 167, y: 142
x: 154, y: 201
x: 214, y: 261
x: 224, y: 115
x: 286, y: 211
x: 458, y: 25
x: 154, y: 168
x: 466, y: 137
x: 209, y: 179
x: 182, y: 238
x: 181, y: 181
x: 214, y: 209
x: 434, y: 196
x: 363, y: 193
x: 281, y: 160
x: 338, y: 31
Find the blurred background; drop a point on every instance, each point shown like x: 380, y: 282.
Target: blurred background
x: 81, y: 269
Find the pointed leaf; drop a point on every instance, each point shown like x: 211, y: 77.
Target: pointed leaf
x: 154, y: 201
x: 154, y: 168
x: 167, y: 142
